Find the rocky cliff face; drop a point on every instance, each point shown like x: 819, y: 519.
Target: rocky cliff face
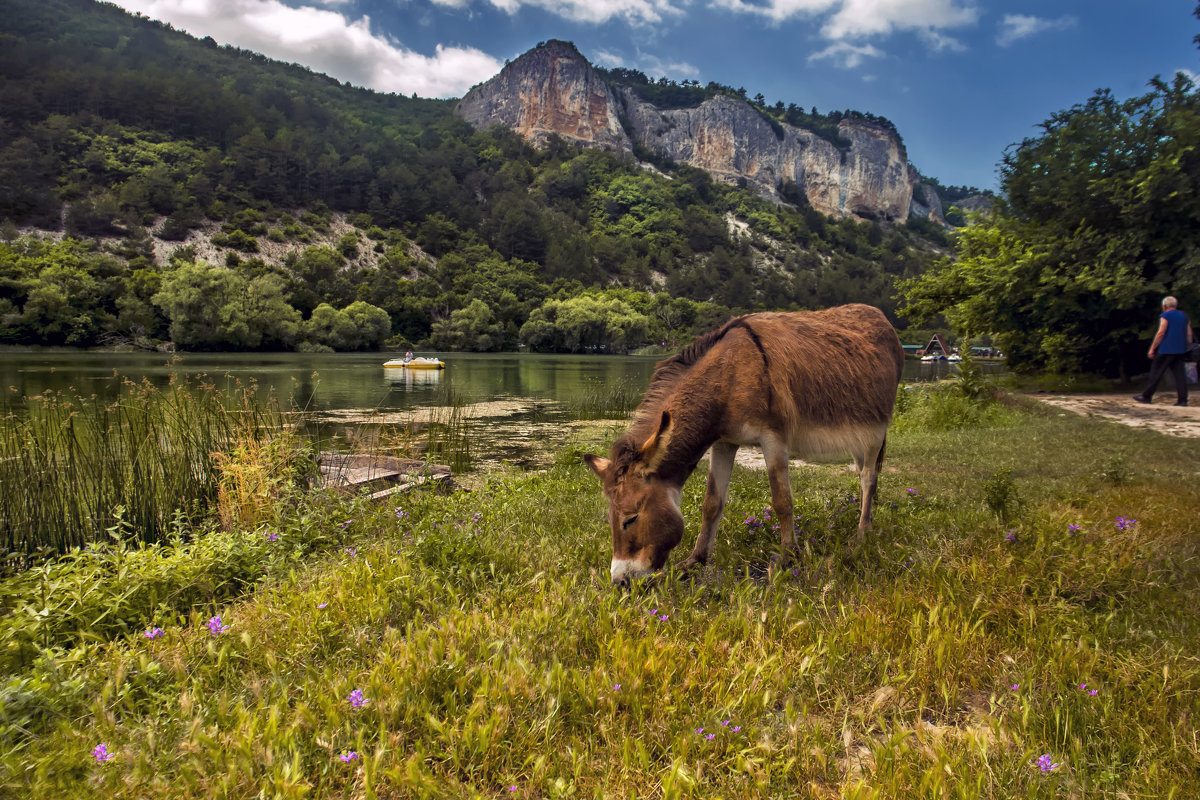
x: 554, y: 90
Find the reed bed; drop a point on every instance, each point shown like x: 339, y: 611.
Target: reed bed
x: 605, y: 400
x: 72, y: 467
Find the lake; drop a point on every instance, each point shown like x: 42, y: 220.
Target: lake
x: 519, y: 405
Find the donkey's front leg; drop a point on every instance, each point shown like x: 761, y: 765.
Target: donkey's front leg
x: 720, y: 468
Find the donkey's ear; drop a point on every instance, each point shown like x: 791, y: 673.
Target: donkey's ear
x: 599, y: 465
x: 655, y: 448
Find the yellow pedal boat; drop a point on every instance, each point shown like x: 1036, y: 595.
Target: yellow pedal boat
x: 416, y: 363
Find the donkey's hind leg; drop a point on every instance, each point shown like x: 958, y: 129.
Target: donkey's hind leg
x: 720, y: 468
x: 869, y: 464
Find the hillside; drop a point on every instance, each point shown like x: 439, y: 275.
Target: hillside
x: 198, y: 183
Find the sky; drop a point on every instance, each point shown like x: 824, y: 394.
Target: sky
x: 961, y: 79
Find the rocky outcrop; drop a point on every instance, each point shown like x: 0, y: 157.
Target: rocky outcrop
x: 554, y: 90
x: 926, y: 203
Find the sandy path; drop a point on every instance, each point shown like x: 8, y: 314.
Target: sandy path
x: 1160, y: 416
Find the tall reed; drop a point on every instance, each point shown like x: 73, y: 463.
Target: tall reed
x: 448, y: 433
x: 71, y: 466
x: 604, y: 400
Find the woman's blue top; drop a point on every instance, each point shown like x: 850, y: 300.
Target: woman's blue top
x: 1175, y: 339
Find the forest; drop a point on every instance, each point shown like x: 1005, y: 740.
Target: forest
x: 155, y: 187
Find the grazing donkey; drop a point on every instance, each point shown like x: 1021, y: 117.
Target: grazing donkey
x: 801, y: 382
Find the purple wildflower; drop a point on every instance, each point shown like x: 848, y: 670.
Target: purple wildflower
x: 1015, y: 686
x: 322, y: 605
x: 272, y: 536
x: 512, y: 788
x: 1082, y: 686
x: 101, y: 754
x: 401, y: 513
x: 348, y: 756
x: 153, y: 633
x: 1011, y: 536
x: 616, y: 687
x: 215, y: 626
x: 699, y: 730
x: 356, y: 698
x: 913, y: 493
x: 345, y: 523
x: 710, y: 736
x: 1093, y: 692
x: 352, y: 552
x: 1072, y: 530
x: 663, y: 617
x: 736, y: 728
x: 1047, y: 764
x: 1125, y: 523
x: 725, y: 723
x: 477, y: 517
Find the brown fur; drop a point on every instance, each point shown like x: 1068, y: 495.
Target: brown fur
x: 804, y: 382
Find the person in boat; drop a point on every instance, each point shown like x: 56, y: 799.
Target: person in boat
x: 408, y: 356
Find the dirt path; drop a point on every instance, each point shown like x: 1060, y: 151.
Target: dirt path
x: 1160, y: 416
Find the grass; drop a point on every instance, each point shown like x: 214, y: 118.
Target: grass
x: 948, y: 657
x: 72, y: 467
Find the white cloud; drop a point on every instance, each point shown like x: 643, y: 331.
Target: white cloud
x: 651, y: 65
x: 1015, y: 27
x: 638, y: 12
x: 854, y: 19
x: 326, y: 41
x: 846, y: 54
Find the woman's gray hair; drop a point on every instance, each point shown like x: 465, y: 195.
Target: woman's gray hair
x: 1170, y: 302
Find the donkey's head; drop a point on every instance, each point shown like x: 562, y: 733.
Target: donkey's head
x: 643, y: 508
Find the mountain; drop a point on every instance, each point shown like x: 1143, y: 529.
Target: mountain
x: 156, y: 187
x: 860, y: 171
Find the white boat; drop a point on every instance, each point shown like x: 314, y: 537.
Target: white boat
x: 929, y: 359
x: 415, y: 363
x: 954, y: 359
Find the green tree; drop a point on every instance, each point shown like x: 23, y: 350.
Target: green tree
x: 1100, y: 218
x: 472, y: 328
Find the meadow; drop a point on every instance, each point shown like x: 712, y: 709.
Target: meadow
x: 1021, y: 624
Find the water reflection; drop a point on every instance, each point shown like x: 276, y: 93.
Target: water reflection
x: 517, y: 402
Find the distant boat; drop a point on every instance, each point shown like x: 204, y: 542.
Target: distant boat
x: 954, y: 359
x: 416, y: 363
x: 929, y: 359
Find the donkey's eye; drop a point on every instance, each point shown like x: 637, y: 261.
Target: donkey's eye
x: 625, y: 525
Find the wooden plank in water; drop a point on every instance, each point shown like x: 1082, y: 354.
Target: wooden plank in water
x: 350, y: 470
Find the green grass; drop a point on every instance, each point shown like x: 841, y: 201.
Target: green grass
x: 72, y: 467
x: 492, y: 652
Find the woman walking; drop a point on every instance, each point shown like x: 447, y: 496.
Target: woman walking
x: 1168, y: 351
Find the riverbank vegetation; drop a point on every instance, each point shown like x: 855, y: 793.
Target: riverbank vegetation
x: 1019, y: 624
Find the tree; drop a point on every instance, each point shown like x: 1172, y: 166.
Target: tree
x: 1100, y: 218
x: 472, y: 328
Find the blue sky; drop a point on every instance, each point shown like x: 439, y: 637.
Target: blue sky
x: 961, y: 79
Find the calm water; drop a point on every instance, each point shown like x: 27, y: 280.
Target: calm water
x: 518, y: 403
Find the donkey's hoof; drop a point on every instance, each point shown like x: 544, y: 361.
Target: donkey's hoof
x: 690, y: 564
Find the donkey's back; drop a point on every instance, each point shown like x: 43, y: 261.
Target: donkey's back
x: 822, y: 380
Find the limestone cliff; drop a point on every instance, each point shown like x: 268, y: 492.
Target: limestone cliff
x: 553, y: 89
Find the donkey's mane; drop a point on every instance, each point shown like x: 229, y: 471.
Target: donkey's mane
x: 668, y: 371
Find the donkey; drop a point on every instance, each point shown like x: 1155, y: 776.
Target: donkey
x: 804, y: 383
